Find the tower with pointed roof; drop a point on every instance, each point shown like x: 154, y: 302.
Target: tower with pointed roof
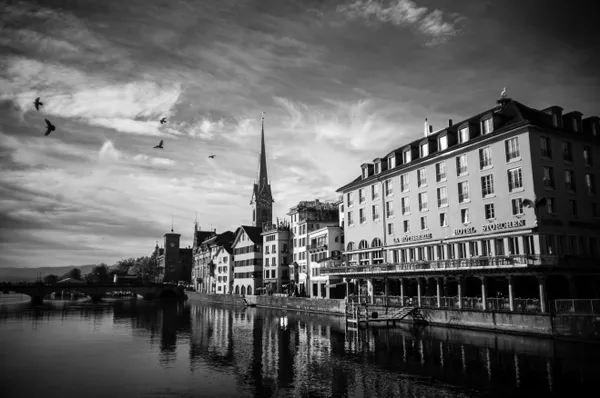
x: 262, y: 198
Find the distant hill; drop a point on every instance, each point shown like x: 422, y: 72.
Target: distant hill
x: 31, y: 274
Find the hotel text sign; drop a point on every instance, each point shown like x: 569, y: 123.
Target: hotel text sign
x: 503, y: 225
x: 464, y: 231
x: 413, y: 238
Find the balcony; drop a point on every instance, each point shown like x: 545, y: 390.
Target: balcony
x: 455, y: 264
x: 317, y: 247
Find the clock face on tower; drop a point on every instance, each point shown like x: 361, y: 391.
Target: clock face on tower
x: 172, y: 244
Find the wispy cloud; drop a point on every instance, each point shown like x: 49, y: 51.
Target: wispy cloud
x: 405, y: 13
x: 335, y: 95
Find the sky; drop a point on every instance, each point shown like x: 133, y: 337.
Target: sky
x: 340, y: 82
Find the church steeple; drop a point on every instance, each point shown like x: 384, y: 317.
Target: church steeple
x: 262, y: 198
x: 263, y: 179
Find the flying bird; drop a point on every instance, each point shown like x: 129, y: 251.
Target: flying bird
x: 38, y: 103
x: 163, y: 120
x: 212, y: 156
x: 51, y: 127
x: 160, y: 145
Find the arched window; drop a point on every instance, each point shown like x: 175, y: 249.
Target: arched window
x: 243, y: 289
x: 249, y: 290
x: 350, y: 246
x: 376, y: 243
x: 337, y: 239
x: 363, y: 245
x: 237, y: 290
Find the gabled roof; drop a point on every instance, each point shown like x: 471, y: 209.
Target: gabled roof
x: 254, y: 233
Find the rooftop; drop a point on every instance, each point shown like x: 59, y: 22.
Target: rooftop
x: 508, y: 114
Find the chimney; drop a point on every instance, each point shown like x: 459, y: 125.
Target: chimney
x: 430, y: 129
x: 449, y: 122
x: 425, y: 128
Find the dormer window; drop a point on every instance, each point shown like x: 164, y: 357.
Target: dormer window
x: 555, y: 120
x: 463, y: 134
x: 594, y: 129
x: 406, y: 156
x: 424, y: 149
x: 487, y: 126
x: 391, y: 162
x: 574, y: 125
x: 365, y: 172
x: 443, y: 142
x: 377, y: 168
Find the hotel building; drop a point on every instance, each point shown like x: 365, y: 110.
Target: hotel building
x: 325, y: 250
x: 248, y: 260
x: 307, y: 217
x: 276, y: 259
x: 504, y: 201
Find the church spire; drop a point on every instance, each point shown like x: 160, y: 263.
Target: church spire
x: 262, y: 198
x: 263, y: 179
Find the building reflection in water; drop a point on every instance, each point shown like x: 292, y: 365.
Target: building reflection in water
x: 278, y: 353
x: 274, y: 353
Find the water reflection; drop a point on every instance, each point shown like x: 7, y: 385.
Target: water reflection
x: 261, y: 352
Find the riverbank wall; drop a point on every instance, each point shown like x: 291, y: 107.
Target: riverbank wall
x: 578, y: 327
x: 323, y: 306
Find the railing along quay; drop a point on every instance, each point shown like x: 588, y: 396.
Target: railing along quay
x: 523, y: 305
x: 475, y: 262
x: 577, y: 307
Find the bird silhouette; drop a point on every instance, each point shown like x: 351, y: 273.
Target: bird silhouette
x: 212, y: 156
x: 163, y: 120
x: 38, y: 103
x: 160, y: 145
x: 51, y: 127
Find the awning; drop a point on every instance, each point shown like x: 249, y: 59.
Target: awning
x: 332, y: 285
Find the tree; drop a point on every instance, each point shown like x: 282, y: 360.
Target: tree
x: 50, y: 279
x: 123, y: 266
x: 99, y: 274
x: 74, y: 273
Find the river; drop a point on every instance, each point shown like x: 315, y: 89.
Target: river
x: 136, y: 348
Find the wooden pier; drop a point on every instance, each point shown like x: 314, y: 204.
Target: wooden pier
x: 357, y: 314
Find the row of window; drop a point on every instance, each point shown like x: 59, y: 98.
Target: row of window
x: 567, y: 151
x: 272, y: 274
x: 512, y: 153
x: 273, y: 248
x: 273, y: 261
x: 464, y: 134
x: 570, y: 184
x: 517, y: 205
x: 512, y: 150
x: 248, y: 249
x: 244, y: 263
x: 514, y: 245
x: 515, y: 183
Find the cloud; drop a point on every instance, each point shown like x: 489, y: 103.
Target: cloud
x: 405, y: 13
x: 109, y: 152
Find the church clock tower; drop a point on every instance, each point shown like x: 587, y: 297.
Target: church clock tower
x: 262, y: 198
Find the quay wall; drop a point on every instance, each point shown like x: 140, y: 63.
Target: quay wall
x: 326, y: 306
x: 564, y: 326
x: 577, y: 326
x: 505, y: 322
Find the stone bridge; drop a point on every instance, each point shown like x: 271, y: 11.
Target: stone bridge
x: 37, y: 292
